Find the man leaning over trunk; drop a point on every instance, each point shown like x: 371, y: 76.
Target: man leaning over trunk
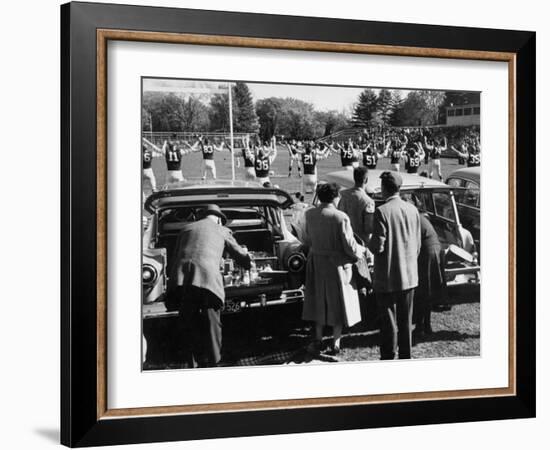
x: 197, y: 283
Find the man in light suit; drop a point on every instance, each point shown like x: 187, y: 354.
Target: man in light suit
x: 358, y: 205
x: 197, y: 282
x: 395, y: 243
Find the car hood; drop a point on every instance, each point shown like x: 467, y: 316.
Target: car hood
x: 219, y: 195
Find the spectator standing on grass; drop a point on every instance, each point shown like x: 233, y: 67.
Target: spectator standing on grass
x: 431, y: 275
x: 330, y: 297
x: 395, y: 243
x: 358, y: 205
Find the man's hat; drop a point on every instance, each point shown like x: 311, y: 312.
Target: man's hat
x: 213, y: 210
x: 391, y: 177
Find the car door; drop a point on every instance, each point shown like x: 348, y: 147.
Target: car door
x: 440, y: 207
x: 467, y: 198
x: 445, y: 218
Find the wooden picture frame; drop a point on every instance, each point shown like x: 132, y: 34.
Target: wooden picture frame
x: 85, y: 30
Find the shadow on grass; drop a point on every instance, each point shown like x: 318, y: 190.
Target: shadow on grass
x: 445, y: 335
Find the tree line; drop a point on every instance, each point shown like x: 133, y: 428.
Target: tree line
x: 294, y: 118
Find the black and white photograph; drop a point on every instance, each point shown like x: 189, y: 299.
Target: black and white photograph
x: 290, y: 224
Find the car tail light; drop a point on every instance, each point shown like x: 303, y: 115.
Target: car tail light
x: 296, y: 262
x: 148, y: 274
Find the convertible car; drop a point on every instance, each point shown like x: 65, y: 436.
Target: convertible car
x: 255, y: 216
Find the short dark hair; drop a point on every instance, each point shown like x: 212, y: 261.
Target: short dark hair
x: 360, y: 175
x: 389, y: 185
x: 327, y: 192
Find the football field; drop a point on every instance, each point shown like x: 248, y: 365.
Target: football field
x: 191, y: 165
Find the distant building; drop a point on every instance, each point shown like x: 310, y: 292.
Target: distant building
x: 462, y: 115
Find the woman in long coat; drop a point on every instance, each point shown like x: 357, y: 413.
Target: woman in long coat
x: 330, y: 298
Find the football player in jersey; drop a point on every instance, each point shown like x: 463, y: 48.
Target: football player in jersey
x: 293, y: 157
x: 263, y: 158
x: 371, y: 154
x: 471, y: 152
x: 413, y: 157
x: 395, y: 150
x: 148, y: 151
x: 173, y: 152
x: 310, y: 155
x: 434, y: 150
x: 348, y: 155
x: 207, y: 148
x: 249, y: 158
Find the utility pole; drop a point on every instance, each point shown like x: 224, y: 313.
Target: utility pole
x: 231, y: 131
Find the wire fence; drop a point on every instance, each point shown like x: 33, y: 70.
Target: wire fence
x: 158, y: 137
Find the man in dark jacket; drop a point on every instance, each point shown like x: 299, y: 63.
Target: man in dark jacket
x: 197, y: 282
x: 395, y: 243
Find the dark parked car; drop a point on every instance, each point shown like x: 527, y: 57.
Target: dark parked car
x: 467, y: 196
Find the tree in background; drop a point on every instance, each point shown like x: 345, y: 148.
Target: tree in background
x: 365, y: 112
x: 420, y: 108
x: 245, y: 118
x: 169, y: 112
x: 268, y: 111
x: 297, y: 120
x: 244, y: 114
x: 331, y: 121
x: 433, y: 101
x: 385, y: 106
x: 396, y: 116
x: 219, y: 112
x: 192, y: 114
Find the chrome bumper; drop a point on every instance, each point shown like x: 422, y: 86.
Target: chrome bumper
x: 158, y: 310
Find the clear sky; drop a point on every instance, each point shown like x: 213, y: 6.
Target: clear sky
x: 322, y: 97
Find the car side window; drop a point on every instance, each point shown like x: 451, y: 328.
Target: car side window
x: 459, y: 193
x: 471, y: 194
x: 422, y: 200
x: 454, y: 182
x: 444, y: 205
